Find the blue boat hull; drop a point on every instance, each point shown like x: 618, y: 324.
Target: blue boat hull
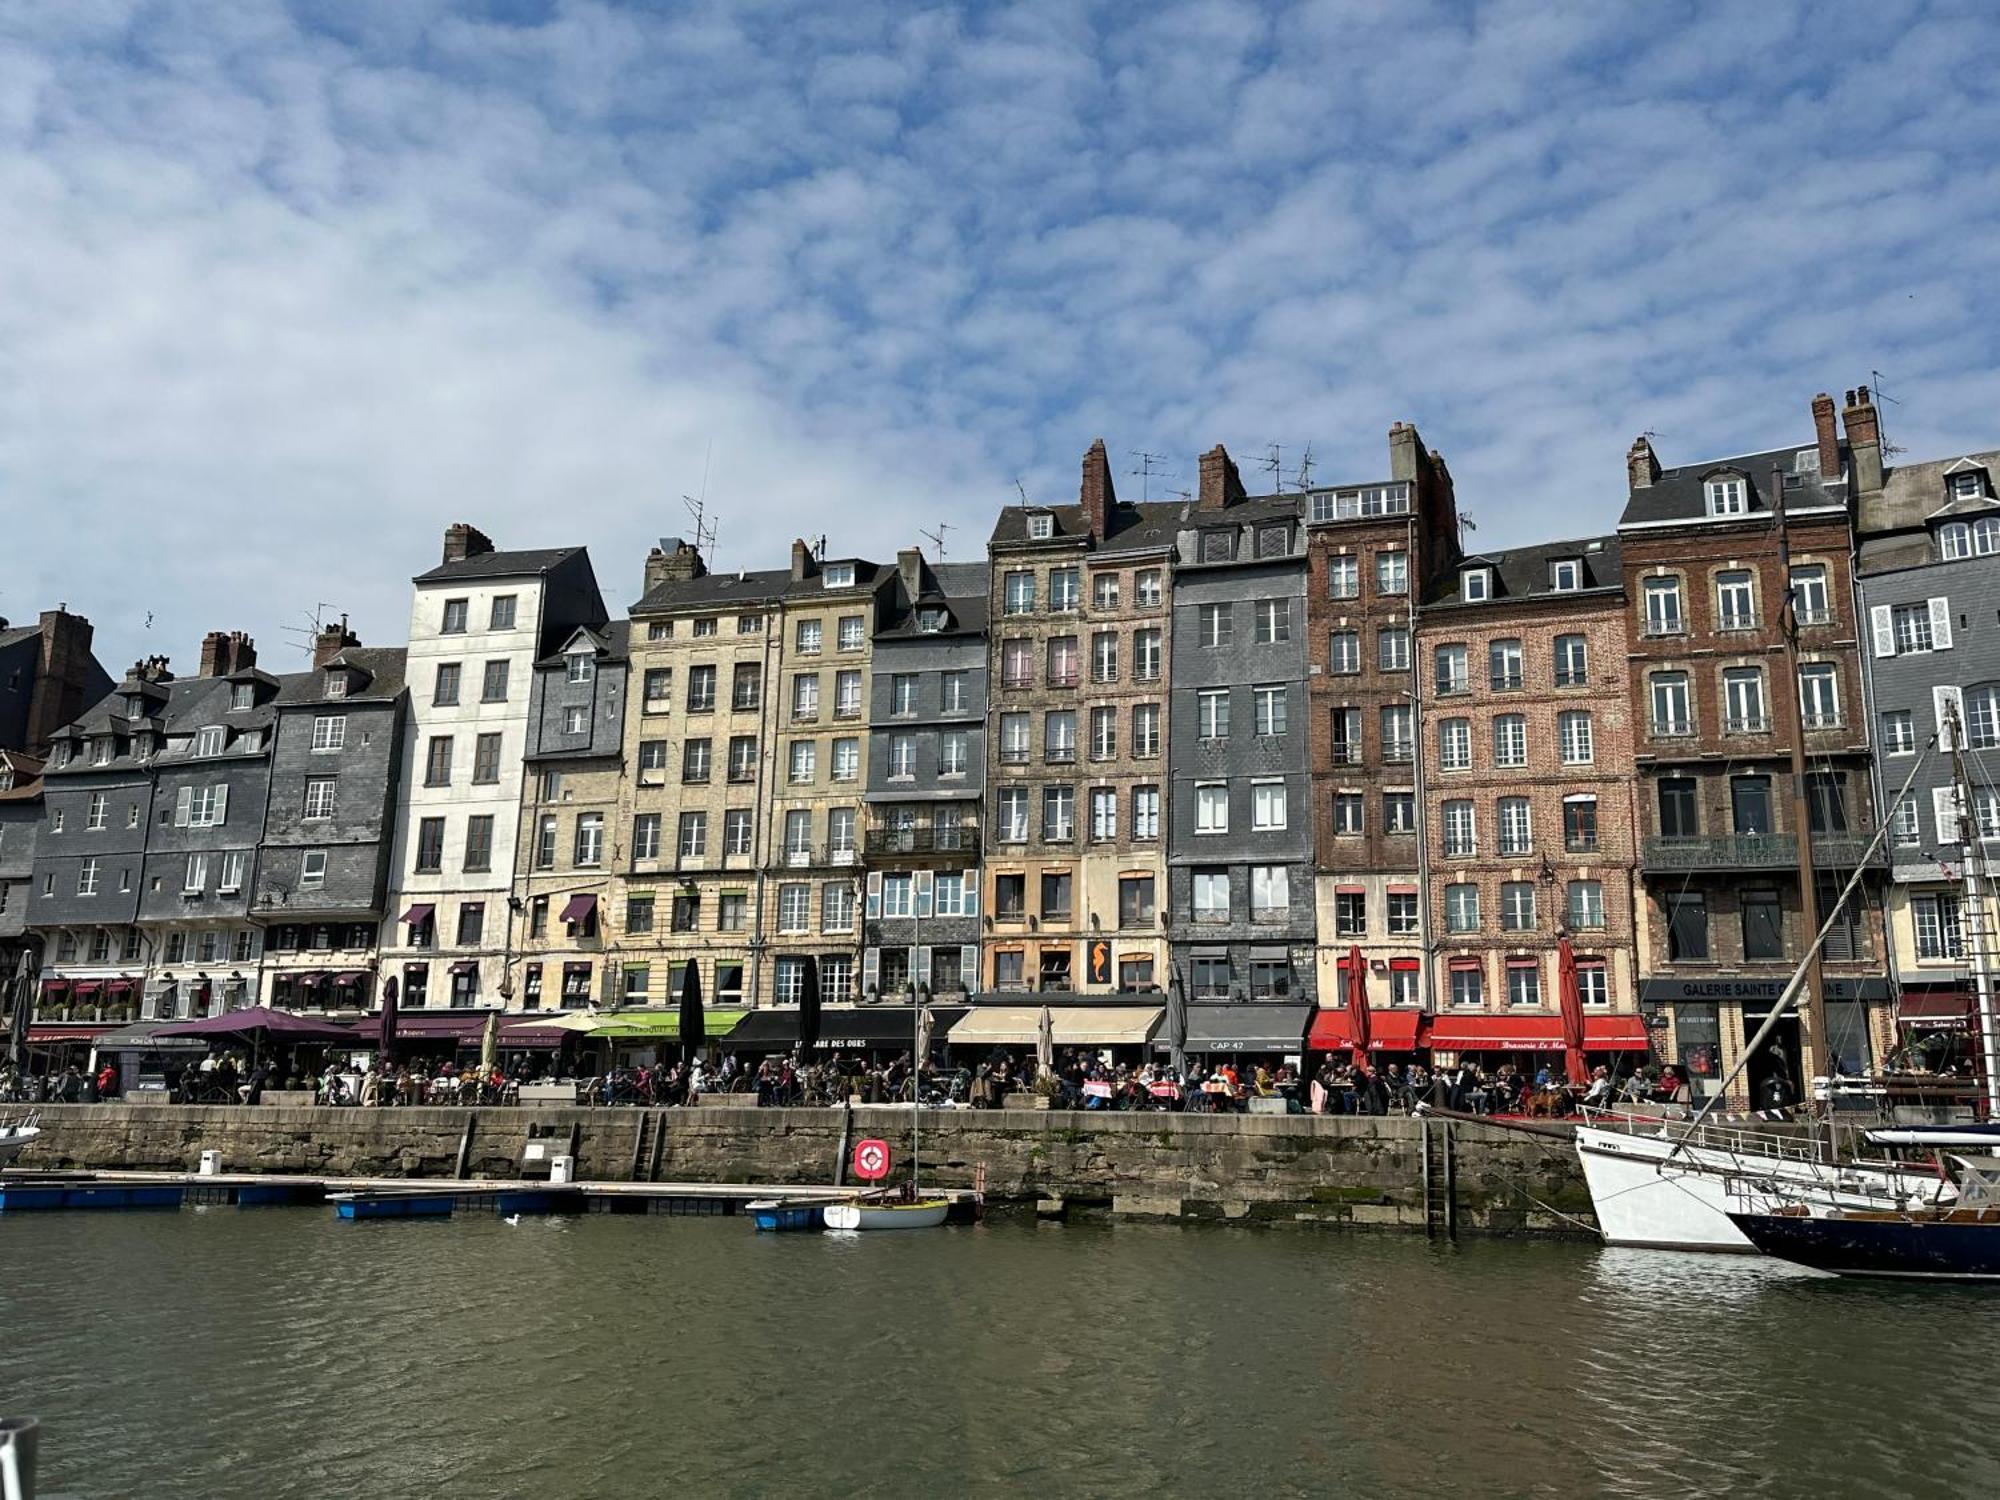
x: 394, y: 1208
x: 780, y: 1217
x: 1925, y: 1249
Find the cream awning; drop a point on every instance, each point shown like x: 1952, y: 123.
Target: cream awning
x: 1075, y: 1025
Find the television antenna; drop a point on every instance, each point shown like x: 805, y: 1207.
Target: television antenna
x: 936, y: 538
x: 305, y: 637
x: 1888, y: 447
x: 1273, y: 463
x: 1149, y: 465
x: 697, y: 509
x: 1306, y: 469
x: 1465, y: 524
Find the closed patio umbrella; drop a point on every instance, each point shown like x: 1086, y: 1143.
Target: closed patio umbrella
x: 1571, y: 1000
x: 1358, y: 1018
x: 693, y: 1024
x: 1177, y: 1022
x: 489, y: 1043
x: 809, y: 1004
x: 1045, y: 1043
x: 24, y: 1013
x: 387, y: 1045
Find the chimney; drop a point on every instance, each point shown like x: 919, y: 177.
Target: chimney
x: 151, y: 669
x: 214, y: 654
x: 1864, y: 440
x: 62, y: 678
x: 462, y: 541
x: 242, y: 652
x: 1406, y: 452
x: 331, y: 641
x: 1642, y: 469
x: 803, y: 564
x: 910, y: 563
x: 673, y: 561
x: 1221, y: 485
x: 1827, y: 437
x: 1097, y: 495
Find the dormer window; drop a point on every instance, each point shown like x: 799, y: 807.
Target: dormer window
x: 1727, y: 496
x: 1566, y: 574
x: 1475, y: 585
x: 241, y: 696
x: 336, y: 683
x: 135, y: 707
x: 1967, y: 486
x: 1961, y: 539
x: 582, y: 666
x: 839, y: 575
x: 6, y: 778
x: 61, y: 753
x: 1041, y: 526
x: 930, y: 619
x: 100, y: 750
x: 210, y: 740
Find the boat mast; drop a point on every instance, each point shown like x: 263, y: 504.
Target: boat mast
x: 1972, y: 920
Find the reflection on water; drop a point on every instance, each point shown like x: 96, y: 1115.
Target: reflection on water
x: 280, y: 1353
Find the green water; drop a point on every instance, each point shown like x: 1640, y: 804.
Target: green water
x: 280, y: 1353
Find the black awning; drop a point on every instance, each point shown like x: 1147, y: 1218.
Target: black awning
x: 842, y: 1028
x: 1254, y: 1027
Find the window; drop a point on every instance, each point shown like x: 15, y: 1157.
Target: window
x: 320, y: 796
x: 1908, y: 823
x: 1103, y: 733
x: 804, y: 762
x: 1503, y: 665
x: 1524, y: 982
x: 1673, y: 717
x: 646, y: 837
x: 743, y: 756
x: 1402, y: 913
x: 1010, y: 898
x: 847, y: 758
x: 590, y: 839
x: 1104, y: 656
x: 1218, y: 546
x: 1146, y: 656
x: 471, y: 925
x: 1345, y: 726
x: 1270, y: 710
x: 545, y: 842
x: 746, y: 689
x: 840, y: 824
x: 1344, y: 652
x: 444, y: 687
x: 849, y: 633
x: 952, y: 896
x: 1819, y: 694
x: 1059, y: 736
x: 1041, y: 526
x: 1211, y: 807
x: 955, y: 691
x: 1103, y: 814
x: 1274, y: 621
x: 493, y: 683
x: 697, y: 761
x: 1399, y: 735
x: 1679, y: 816
x: 1913, y: 629
x: 1517, y: 906
x: 1461, y: 830
x: 430, y: 844
x: 1399, y: 812
x: 86, y: 878
x: 1014, y: 732
x: 1516, y: 830
x: 1687, y: 926
x: 1468, y: 983
x: 329, y: 733
x: 1104, y: 591
x: 902, y: 694
x: 1566, y: 575
x: 1575, y: 735
x: 1461, y: 908
x: 1057, y: 894
x: 1267, y: 805
x: 1763, y: 924
x: 805, y: 696
x: 1392, y: 648
x: 1663, y: 607
x: 736, y: 831
x: 806, y: 637
x: 658, y: 685
x: 1145, y: 812
x: 576, y: 719
x: 1349, y: 819
x: 1510, y: 741
x: 749, y: 624
x: 94, y: 818
x: 501, y: 616
x: 1212, y: 713
x: 1270, y: 893
x: 836, y: 907
x: 1572, y: 659
x: 899, y: 896
x: 1727, y: 497
x: 1981, y: 718
x: 1065, y: 591
x: 1058, y: 814
x: 1580, y: 824
x: 1743, y: 701
x: 1455, y: 744
x: 1019, y: 593
x: 1811, y: 603
x: 1392, y: 572
x: 1214, y: 624
x: 1146, y: 730
x: 1450, y: 670
x: 1939, y: 933
x: 1735, y: 601
x: 1064, y: 666
x: 1586, y: 905
x: 1013, y: 813
x: 1350, y: 914
x: 1343, y: 578
x: 1017, y: 663
x: 1146, y: 587
x: 701, y: 690
x: 795, y: 908
x: 1135, y: 901
x: 454, y: 617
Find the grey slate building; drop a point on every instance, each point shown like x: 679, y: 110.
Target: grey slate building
x: 321, y: 885
x: 1239, y: 851
x: 20, y: 820
x: 926, y: 779
x: 1928, y: 565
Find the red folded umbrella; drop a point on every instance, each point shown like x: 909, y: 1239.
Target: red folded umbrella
x: 1571, y: 1000
x: 1357, y: 1004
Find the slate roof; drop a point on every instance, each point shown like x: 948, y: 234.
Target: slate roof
x: 1131, y: 526
x: 960, y: 588
x: 1894, y: 523
x: 1678, y: 494
x: 754, y: 586
x: 18, y: 634
x: 1523, y: 572
x: 611, y: 641
x: 27, y: 776
x: 526, y: 564
x: 384, y: 665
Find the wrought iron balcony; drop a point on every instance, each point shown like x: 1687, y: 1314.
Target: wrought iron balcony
x: 924, y: 839
x: 1756, y: 851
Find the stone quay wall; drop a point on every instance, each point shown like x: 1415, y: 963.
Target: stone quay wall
x: 1336, y: 1171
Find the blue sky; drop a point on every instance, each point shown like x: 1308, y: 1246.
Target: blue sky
x: 288, y: 289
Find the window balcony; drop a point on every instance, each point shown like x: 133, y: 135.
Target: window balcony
x: 1505, y: 682
x: 1398, y: 755
x: 1342, y: 754
x: 1572, y: 679
x: 1833, y: 720
x: 1011, y: 755
x: 1657, y: 630
x: 1453, y: 687
x: 1737, y: 622
x: 1059, y: 755
x: 1754, y: 851
x: 923, y: 838
x: 1748, y: 724
x: 1816, y: 617
x: 1672, y: 729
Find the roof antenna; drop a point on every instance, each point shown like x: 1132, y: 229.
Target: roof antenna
x: 1022, y: 488
x: 697, y: 509
x: 936, y: 538
x: 1149, y: 465
x: 1887, y: 446
x: 1465, y: 524
x: 1306, y: 470
x: 1273, y: 463
x: 306, y: 636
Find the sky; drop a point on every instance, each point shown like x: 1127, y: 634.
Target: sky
x: 287, y: 289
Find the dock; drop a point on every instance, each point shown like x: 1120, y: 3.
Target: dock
x: 403, y: 1197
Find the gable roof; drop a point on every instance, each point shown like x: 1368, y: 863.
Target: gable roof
x: 1130, y: 526
x: 716, y: 591
x: 1679, y: 494
x: 526, y: 564
x: 1523, y: 572
x: 1893, y: 522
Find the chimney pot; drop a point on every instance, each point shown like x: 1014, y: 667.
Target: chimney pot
x: 1826, y: 437
x: 462, y: 541
x: 1097, y: 495
x: 1642, y: 467
x: 1864, y: 440
x: 1221, y: 484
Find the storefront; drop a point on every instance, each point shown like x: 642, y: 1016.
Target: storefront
x: 429, y: 1034
x: 145, y: 1061
x: 1615, y: 1041
x: 642, y: 1038
x: 1252, y: 1033
x: 1937, y: 1033
x: 1114, y: 1031
x: 875, y: 1031
x: 1714, y: 1018
x: 1394, y: 1034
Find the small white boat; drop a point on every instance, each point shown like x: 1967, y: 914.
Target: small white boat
x: 856, y: 1213
x: 16, y: 1136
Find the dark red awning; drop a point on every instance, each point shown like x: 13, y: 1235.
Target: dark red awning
x: 118, y: 986
x: 350, y: 976
x: 54, y: 989
x: 56, y: 1031
x: 579, y: 909
x: 465, y: 966
x: 1493, y: 1033
x: 419, y: 914
x: 1614, y: 1034
x: 84, y: 988
x: 458, y: 1025
x: 1390, y: 1029
x: 1937, y: 1010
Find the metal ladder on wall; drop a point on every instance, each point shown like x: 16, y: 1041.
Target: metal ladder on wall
x: 1440, y: 1178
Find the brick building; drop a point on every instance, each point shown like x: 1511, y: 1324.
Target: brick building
x: 48, y: 677
x: 1074, y: 847
x: 1528, y: 778
x: 1718, y: 700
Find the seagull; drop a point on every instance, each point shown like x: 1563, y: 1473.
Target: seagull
x: 513, y: 1219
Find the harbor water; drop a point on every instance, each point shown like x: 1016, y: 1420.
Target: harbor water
x: 279, y: 1353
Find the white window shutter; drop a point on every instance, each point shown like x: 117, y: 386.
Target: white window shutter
x: 183, y: 807
x: 968, y: 894
x: 871, y: 964
x: 1943, y: 698
x: 920, y: 966
x: 968, y: 967
x: 874, y: 895
x: 222, y: 803
x: 923, y: 893
x: 1940, y: 624
x: 1883, y: 624
x: 1944, y: 809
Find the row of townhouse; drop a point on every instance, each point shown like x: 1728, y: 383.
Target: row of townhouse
x: 1242, y: 741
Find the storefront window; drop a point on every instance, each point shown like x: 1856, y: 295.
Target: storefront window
x: 1698, y: 1036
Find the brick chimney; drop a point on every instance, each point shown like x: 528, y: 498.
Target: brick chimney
x: 1864, y: 440
x: 1642, y: 468
x: 151, y: 669
x: 1221, y: 485
x: 63, y: 677
x: 1098, y: 495
x: 462, y: 541
x: 223, y: 652
x: 1827, y: 437
x: 673, y: 561
x: 331, y: 641
x: 803, y: 565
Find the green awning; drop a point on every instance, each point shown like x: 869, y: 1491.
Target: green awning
x: 646, y: 1025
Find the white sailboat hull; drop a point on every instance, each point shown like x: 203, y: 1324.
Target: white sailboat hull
x: 14, y: 1140
x: 925, y: 1213
x: 1647, y: 1195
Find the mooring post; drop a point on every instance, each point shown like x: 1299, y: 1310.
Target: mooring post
x: 846, y: 1133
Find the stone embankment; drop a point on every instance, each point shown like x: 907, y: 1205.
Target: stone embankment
x: 1347, y: 1172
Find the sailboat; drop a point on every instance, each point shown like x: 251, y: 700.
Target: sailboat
x: 913, y: 1210
x: 17, y: 1136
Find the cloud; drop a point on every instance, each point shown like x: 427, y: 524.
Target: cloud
x: 292, y: 289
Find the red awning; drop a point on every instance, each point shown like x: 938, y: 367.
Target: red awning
x: 458, y: 1025
x: 1614, y: 1034
x: 56, y: 1031
x: 84, y: 988
x: 465, y: 966
x: 1350, y: 890
x: 579, y: 909
x: 418, y: 914
x: 118, y: 986
x: 54, y: 989
x: 1490, y: 1033
x: 1939, y: 1010
x: 1390, y: 1029
x: 350, y: 976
